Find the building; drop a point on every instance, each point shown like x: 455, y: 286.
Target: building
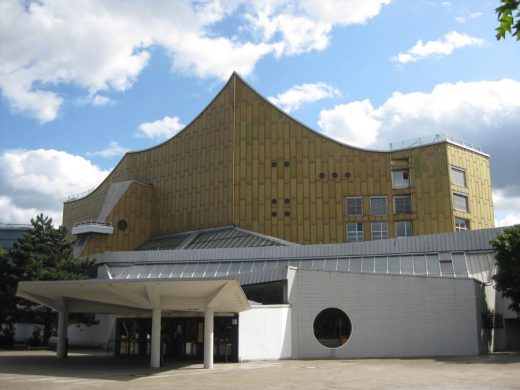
x: 233, y: 241
x: 10, y: 233
x: 243, y: 162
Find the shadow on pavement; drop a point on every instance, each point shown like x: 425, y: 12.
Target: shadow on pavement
x: 91, y: 365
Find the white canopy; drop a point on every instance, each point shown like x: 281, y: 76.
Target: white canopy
x: 110, y: 296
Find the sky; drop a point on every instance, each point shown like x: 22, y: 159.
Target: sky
x: 84, y: 81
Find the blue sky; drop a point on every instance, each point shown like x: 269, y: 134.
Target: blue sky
x: 84, y: 81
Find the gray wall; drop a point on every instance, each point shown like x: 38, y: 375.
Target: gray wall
x: 391, y: 315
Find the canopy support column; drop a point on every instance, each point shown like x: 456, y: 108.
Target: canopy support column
x: 208, y: 337
x: 155, y: 353
x: 61, y: 347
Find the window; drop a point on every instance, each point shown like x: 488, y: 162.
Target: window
x: 458, y: 176
x: 460, y: 202
x: 400, y: 179
x: 403, y: 204
x: 354, y: 206
x: 461, y: 224
x: 379, y: 230
x: 403, y: 229
x: 378, y: 205
x: 332, y: 327
x: 355, y: 232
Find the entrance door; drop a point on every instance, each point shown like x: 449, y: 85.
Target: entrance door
x: 512, y: 326
x: 183, y: 338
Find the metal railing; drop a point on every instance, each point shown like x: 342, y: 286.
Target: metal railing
x: 92, y: 222
x: 15, y: 225
x: 80, y: 195
x: 441, y: 137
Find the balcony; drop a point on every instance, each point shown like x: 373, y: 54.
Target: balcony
x: 86, y: 227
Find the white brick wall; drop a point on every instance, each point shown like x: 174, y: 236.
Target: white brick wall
x: 391, y: 315
x: 265, y: 333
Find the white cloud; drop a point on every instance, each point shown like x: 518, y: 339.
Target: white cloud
x: 305, y: 25
x: 99, y: 100
x: 464, y: 18
x: 34, y: 181
x: 108, y: 44
x: 475, y: 110
x: 507, y: 208
x: 160, y: 129
x: 351, y: 123
x: 298, y: 95
x: 439, y: 48
x: 113, y: 149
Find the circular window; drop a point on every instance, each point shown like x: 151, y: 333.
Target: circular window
x: 347, y: 174
x: 274, y: 214
x: 274, y: 201
x: 322, y: 175
x: 334, y: 175
x: 287, y: 201
x: 287, y: 214
x: 274, y: 164
x: 332, y: 327
x: 122, y: 225
x: 286, y: 164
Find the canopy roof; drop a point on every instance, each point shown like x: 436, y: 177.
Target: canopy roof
x: 136, y: 296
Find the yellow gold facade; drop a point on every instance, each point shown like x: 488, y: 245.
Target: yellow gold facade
x: 242, y: 161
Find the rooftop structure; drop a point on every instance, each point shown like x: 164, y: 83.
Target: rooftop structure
x: 10, y: 233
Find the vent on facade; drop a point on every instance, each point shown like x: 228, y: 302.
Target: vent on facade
x: 122, y: 225
x: 492, y: 321
x: 274, y: 164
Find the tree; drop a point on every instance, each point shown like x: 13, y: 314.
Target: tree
x: 45, y: 253
x: 507, y: 255
x: 8, y: 282
x: 508, y: 14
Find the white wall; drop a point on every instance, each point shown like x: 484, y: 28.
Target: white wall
x: 91, y: 336
x: 264, y: 333
x: 391, y: 315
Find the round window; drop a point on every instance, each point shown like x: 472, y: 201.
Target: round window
x: 332, y: 327
x: 122, y: 225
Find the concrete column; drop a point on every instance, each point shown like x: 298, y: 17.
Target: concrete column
x: 61, y: 347
x: 208, y: 337
x: 155, y: 353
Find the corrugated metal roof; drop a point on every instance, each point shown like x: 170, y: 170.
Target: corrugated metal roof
x: 476, y: 240
x: 445, y: 264
x: 224, y: 237
x: 161, y: 243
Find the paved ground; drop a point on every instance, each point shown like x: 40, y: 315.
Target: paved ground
x: 41, y: 370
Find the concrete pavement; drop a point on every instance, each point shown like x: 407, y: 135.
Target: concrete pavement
x: 41, y: 370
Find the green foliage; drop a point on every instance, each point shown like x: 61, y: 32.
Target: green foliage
x: 508, y: 14
x: 8, y: 282
x: 507, y: 255
x: 45, y: 253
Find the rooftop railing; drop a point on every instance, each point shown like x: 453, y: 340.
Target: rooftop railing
x: 15, y: 225
x: 80, y: 195
x: 433, y: 140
